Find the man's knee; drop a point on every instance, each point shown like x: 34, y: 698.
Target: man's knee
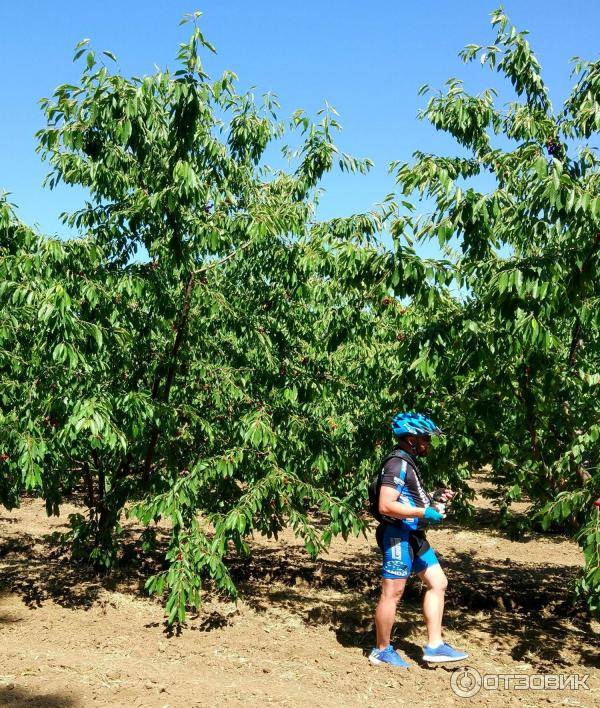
x: 436, y: 581
x: 392, y: 589
x: 442, y: 583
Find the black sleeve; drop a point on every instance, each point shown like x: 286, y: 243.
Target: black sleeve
x: 390, y: 477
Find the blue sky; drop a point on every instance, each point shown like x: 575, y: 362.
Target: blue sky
x: 366, y: 59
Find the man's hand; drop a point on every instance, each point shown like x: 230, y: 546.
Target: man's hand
x: 432, y: 515
x: 443, y: 495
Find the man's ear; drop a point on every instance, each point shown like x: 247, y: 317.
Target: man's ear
x: 411, y: 440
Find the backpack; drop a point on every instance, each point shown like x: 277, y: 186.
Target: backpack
x: 375, y: 485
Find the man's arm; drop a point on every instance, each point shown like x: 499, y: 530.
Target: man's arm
x: 390, y: 507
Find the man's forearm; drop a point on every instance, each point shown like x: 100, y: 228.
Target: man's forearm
x: 401, y: 511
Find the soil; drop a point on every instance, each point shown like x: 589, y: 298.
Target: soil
x: 300, y: 633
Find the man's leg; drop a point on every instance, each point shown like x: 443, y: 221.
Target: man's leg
x: 385, y: 612
x: 436, y: 583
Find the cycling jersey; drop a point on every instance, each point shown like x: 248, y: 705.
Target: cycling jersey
x: 405, y: 477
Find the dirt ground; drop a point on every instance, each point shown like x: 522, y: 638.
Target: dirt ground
x: 301, y: 632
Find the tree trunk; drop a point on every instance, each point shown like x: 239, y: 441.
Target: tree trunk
x: 171, y: 368
x: 90, y: 497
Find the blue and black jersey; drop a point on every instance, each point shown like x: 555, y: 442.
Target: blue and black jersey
x: 405, y: 477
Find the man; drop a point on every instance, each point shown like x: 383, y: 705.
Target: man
x: 406, y: 508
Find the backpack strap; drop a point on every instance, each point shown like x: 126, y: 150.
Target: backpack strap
x: 401, y: 454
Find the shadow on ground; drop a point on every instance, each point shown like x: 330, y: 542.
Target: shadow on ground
x: 40, y: 570
x: 37, y: 580
x: 526, y: 606
x: 16, y: 697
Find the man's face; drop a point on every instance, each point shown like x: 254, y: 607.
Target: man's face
x: 422, y: 444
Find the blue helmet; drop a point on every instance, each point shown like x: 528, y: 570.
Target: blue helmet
x: 414, y: 424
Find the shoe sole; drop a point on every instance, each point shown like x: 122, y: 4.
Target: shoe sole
x: 378, y: 662
x: 444, y: 659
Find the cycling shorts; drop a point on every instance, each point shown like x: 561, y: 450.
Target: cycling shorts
x: 404, y: 551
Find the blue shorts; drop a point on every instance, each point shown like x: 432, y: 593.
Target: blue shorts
x: 404, y: 551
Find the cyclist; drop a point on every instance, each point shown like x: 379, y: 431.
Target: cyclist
x: 406, y: 509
